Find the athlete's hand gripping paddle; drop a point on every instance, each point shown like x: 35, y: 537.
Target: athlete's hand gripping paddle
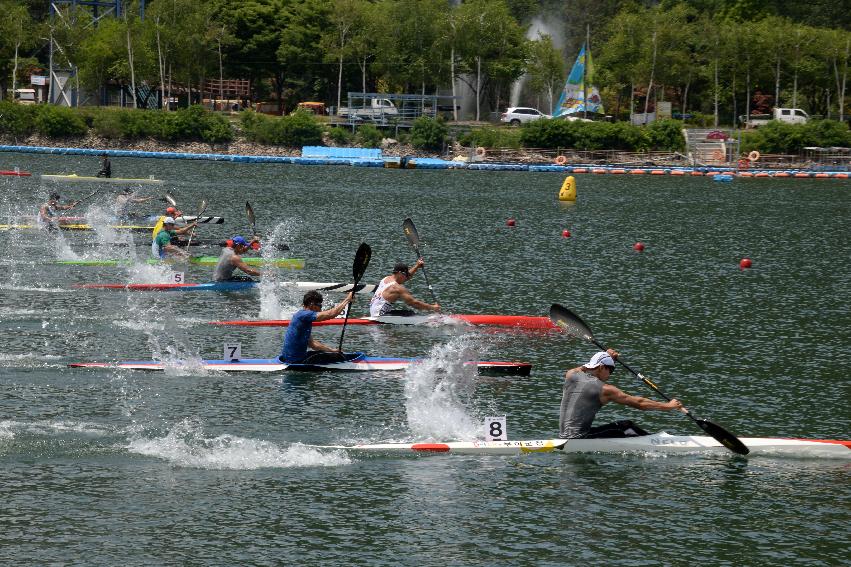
x: 414, y: 238
x: 362, y: 257
x: 573, y: 325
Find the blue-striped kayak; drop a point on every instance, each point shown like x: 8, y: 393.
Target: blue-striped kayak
x: 358, y: 363
x: 292, y: 263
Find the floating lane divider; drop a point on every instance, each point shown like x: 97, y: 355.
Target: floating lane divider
x: 373, y: 158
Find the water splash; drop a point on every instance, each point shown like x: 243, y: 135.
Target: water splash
x: 187, y: 445
x: 439, y: 392
x: 273, y: 299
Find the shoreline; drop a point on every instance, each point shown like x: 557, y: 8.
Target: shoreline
x: 392, y: 155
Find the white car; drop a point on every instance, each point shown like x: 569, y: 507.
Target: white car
x: 517, y: 115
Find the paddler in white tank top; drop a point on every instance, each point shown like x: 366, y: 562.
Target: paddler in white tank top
x: 391, y: 289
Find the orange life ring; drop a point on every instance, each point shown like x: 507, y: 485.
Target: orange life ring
x: 744, y: 164
x: 718, y: 155
x: 561, y: 160
x: 480, y: 151
x: 753, y: 156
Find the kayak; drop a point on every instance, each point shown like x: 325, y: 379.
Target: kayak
x: 291, y: 263
x: 649, y: 444
x: 15, y: 172
x: 75, y: 226
x: 185, y: 219
x: 228, y: 286
x: 209, y: 286
x: 361, y: 363
x: 74, y: 178
x: 517, y: 321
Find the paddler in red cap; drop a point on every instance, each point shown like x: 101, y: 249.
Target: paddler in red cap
x: 231, y: 259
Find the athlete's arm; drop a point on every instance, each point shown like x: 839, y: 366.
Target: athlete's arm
x: 612, y: 394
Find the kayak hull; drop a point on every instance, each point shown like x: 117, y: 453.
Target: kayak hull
x: 72, y: 178
x: 657, y: 443
x: 359, y: 364
x: 227, y: 286
x: 517, y: 321
x: 291, y: 263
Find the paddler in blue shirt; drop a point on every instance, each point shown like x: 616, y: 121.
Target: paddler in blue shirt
x: 231, y: 259
x: 162, y: 246
x: 298, y: 337
x: 586, y: 391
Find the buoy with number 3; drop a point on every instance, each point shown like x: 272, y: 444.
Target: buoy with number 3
x: 568, y: 189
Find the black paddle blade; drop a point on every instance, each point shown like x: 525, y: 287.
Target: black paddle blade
x: 362, y: 257
x: 570, y: 322
x: 411, y: 232
x: 723, y: 436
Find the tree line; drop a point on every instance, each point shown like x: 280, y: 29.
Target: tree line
x: 714, y: 57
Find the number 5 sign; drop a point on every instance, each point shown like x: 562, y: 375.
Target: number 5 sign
x: 496, y: 428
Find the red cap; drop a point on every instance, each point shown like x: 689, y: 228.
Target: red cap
x: 171, y: 210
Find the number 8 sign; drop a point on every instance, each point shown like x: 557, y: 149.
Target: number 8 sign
x: 496, y: 428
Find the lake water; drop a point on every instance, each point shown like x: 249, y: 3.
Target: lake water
x: 194, y: 467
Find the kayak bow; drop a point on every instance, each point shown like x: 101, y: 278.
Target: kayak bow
x: 516, y: 321
x: 227, y: 286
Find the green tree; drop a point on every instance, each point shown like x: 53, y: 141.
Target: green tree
x: 546, y: 68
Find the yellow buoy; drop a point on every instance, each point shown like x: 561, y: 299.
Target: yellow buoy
x: 568, y: 189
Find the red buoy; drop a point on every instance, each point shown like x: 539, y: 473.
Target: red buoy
x: 745, y: 263
x: 638, y: 247
x: 565, y: 233
x: 510, y: 222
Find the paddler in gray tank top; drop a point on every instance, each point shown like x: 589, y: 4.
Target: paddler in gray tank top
x: 586, y: 390
x: 231, y: 259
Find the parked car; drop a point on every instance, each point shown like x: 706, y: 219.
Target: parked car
x: 517, y: 115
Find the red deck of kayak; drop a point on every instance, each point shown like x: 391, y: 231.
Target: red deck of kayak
x: 519, y: 321
x: 18, y: 173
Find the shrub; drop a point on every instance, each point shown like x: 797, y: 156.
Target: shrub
x: 666, y: 135
x: 369, y: 136
x: 340, y: 136
x: 59, y: 122
x: 428, y: 133
x: 216, y: 130
x: 548, y: 134
x: 782, y: 138
x: 17, y: 120
x: 492, y: 137
x: 107, y: 123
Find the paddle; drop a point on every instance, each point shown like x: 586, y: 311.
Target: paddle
x: 201, y: 208
x: 573, y: 325
x: 414, y: 239
x: 170, y: 200
x: 362, y: 257
x: 86, y: 198
x: 252, y: 220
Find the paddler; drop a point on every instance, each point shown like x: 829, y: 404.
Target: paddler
x: 49, y: 212
x: 586, y: 390
x: 391, y: 289
x: 105, y: 166
x: 162, y: 246
x: 298, y: 337
x: 125, y: 199
x: 231, y: 259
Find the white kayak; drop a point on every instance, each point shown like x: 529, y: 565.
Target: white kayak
x: 74, y: 178
x: 648, y: 444
x: 328, y: 286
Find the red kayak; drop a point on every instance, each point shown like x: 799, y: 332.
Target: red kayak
x: 18, y: 173
x: 516, y: 321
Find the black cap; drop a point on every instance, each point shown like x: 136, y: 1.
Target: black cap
x: 401, y: 267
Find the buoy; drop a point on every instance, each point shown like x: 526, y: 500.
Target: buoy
x: 560, y: 160
x: 481, y: 151
x: 753, y: 156
x: 510, y: 222
x: 745, y: 263
x: 568, y: 189
x: 638, y: 247
x: 565, y: 233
